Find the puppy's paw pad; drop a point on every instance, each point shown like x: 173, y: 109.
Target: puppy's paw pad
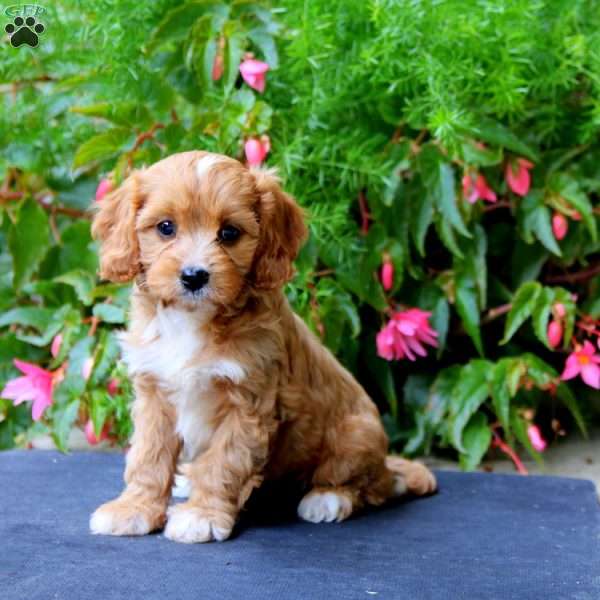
x: 107, y: 521
x: 319, y: 507
x: 189, y: 526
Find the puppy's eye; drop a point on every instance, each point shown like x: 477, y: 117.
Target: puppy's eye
x: 166, y: 228
x: 228, y: 233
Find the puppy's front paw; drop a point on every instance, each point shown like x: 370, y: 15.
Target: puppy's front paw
x: 121, y: 517
x: 329, y: 506
x: 191, y: 525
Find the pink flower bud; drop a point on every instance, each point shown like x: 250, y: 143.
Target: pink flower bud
x: 103, y: 188
x: 112, y: 387
x: 256, y: 150
x: 517, y: 176
x: 536, y: 439
x: 387, y: 275
x: 56, y: 343
x: 559, y: 310
x: 555, y: 333
x: 254, y: 73
x: 560, y: 226
x: 91, y: 435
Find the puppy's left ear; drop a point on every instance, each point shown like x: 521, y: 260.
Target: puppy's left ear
x: 282, y: 232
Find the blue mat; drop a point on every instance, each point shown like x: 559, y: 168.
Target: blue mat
x: 481, y: 537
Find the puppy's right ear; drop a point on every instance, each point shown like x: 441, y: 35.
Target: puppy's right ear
x: 114, y: 227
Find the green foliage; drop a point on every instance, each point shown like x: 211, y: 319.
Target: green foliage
x: 376, y: 111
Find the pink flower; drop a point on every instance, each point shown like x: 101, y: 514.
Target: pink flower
x: 518, y: 180
x: 536, y: 439
x: 404, y: 335
x: 91, y: 435
x: 477, y: 187
x: 560, y: 226
x: 257, y: 149
x: 103, y: 188
x: 387, y: 274
x: 583, y: 362
x: 254, y: 73
x: 56, y: 343
x: 112, y: 387
x: 555, y: 333
x: 36, y: 385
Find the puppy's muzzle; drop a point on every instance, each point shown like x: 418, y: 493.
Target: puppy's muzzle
x: 194, y: 279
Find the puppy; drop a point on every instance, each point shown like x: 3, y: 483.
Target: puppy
x: 223, y: 370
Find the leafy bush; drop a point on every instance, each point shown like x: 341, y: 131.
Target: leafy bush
x: 447, y: 154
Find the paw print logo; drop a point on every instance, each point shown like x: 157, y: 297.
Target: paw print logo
x: 24, y: 31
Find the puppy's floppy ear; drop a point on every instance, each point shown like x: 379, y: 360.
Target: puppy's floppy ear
x: 282, y: 232
x: 114, y: 227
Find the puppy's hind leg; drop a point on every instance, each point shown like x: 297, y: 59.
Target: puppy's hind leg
x: 351, y: 473
x: 410, y: 477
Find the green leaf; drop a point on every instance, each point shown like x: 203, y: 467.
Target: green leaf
x: 523, y: 304
x: 541, y: 314
x: 234, y: 52
x: 446, y: 199
x: 447, y: 235
x: 564, y: 394
x: 28, y: 316
x: 82, y: 282
x: 28, y: 241
x: 63, y: 418
x: 468, y: 309
x: 534, y: 220
x: 540, y: 372
x: 423, y: 216
x: 109, y: 313
x: 493, y: 132
x: 260, y: 37
x: 477, y: 437
x: 177, y: 22
x: 504, y: 381
x: 568, y: 188
x: 59, y: 318
x: 102, y: 146
x: 126, y: 113
x: 99, y: 410
x: 469, y: 393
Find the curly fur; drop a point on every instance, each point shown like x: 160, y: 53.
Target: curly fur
x: 231, y: 376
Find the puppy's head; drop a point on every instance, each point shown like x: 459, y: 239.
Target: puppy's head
x: 199, y: 227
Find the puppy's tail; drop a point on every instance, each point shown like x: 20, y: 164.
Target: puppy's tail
x: 410, y: 477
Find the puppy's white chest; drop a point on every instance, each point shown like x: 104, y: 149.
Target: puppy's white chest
x: 171, y: 350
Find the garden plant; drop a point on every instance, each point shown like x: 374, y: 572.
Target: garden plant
x: 446, y: 154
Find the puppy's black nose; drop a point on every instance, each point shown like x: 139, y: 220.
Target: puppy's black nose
x: 194, y: 279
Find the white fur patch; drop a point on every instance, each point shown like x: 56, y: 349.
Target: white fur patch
x: 171, y: 350
x: 317, y: 507
x: 103, y: 522
x: 181, y: 487
x: 204, y: 165
x: 190, y: 527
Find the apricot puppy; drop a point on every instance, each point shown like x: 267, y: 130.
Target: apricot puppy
x: 223, y: 370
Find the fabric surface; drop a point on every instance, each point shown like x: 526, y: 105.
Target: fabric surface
x: 481, y: 537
